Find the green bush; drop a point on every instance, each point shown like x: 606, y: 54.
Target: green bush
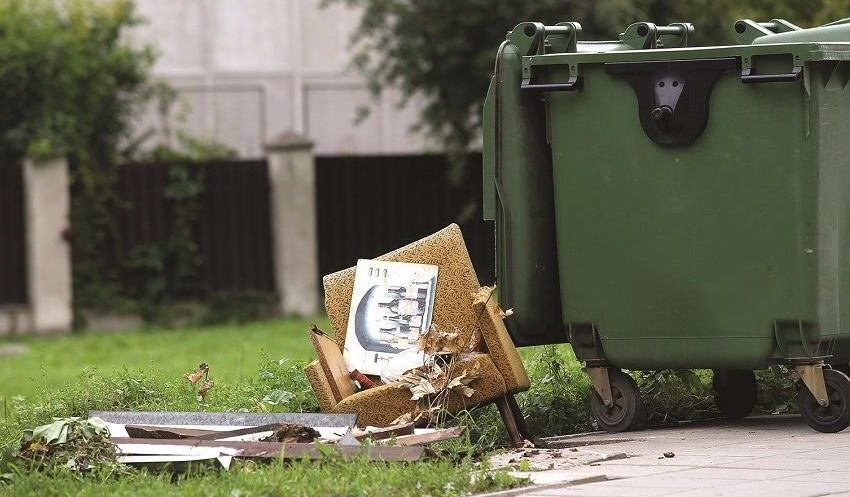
x: 69, y: 81
x: 70, y: 84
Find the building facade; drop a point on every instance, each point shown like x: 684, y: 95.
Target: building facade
x: 246, y: 70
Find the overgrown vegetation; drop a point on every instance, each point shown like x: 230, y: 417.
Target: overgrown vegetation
x: 71, y: 85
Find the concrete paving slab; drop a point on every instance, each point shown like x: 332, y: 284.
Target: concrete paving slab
x: 608, y: 490
x: 764, y: 456
x: 739, y: 474
x: 674, y: 481
x: 782, y: 463
x: 770, y: 489
x: 823, y: 476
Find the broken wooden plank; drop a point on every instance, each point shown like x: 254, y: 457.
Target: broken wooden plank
x: 264, y: 449
x: 163, y: 432
x: 429, y: 438
x: 224, y: 418
x: 218, y: 435
x: 383, y: 433
x: 160, y: 460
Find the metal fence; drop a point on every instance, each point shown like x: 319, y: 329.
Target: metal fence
x: 233, y: 230
x: 371, y: 205
x: 13, y: 263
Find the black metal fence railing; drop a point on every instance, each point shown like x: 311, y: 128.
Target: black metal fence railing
x: 13, y: 261
x: 371, y: 205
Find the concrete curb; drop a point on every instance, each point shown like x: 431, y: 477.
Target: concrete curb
x: 514, y: 492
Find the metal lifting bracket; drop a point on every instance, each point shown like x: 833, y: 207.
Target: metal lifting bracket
x: 601, y: 383
x: 812, y: 377
x: 673, y: 96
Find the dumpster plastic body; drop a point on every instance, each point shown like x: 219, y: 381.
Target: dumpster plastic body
x: 699, y: 197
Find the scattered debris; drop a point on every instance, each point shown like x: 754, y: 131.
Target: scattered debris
x: 74, y: 443
x: 140, y: 431
x: 348, y: 439
x: 522, y: 459
x: 225, y: 419
x: 204, y: 389
x: 164, y: 439
x: 202, y: 371
x: 219, y: 435
x: 429, y: 438
x: 395, y: 430
x: 567, y: 441
x: 262, y: 450
x: 289, y: 432
x: 669, y: 454
x: 362, y: 380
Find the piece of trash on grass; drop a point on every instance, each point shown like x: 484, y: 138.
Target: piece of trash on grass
x: 204, y: 389
x: 290, y: 432
x: 75, y: 443
x: 201, y: 372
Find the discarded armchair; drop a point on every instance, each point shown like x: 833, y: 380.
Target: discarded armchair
x: 502, y: 373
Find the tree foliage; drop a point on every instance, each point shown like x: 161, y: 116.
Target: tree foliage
x: 443, y: 50
x: 70, y: 85
x: 69, y: 81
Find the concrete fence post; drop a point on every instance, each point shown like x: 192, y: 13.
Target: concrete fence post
x: 292, y: 177
x: 47, y: 209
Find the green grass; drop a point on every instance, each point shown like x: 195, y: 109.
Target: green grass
x: 331, y: 477
x: 257, y: 367
x: 253, y: 366
x: 232, y: 352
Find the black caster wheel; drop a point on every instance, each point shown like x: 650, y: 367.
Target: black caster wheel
x: 843, y: 367
x: 734, y: 392
x: 836, y: 416
x: 627, y: 409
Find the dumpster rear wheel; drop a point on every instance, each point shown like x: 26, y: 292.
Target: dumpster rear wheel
x: 843, y: 367
x: 834, y: 417
x: 626, y: 409
x: 735, y: 392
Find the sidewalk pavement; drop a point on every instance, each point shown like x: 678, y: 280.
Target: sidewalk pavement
x: 759, y: 456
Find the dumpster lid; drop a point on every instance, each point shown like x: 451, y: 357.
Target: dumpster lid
x: 559, y: 46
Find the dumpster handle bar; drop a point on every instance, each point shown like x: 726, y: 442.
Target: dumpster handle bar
x: 572, y: 84
x: 747, y: 76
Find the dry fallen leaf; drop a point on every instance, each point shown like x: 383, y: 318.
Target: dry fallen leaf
x: 204, y: 389
x: 483, y: 294
x: 403, y: 419
x: 437, y: 341
x: 504, y: 314
x: 202, y: 371
x: 460, y: 383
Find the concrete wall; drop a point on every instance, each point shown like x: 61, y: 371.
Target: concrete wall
x: 250, y: 69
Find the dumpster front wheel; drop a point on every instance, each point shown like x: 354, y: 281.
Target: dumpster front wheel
x: 625, y: 410
x: 735, y: 392
x: 834, y: 417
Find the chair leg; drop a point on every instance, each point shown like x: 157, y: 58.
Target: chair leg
x: 510, y: 421
x: 520, y: 420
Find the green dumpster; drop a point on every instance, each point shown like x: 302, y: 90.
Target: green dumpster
x: 664, y: 206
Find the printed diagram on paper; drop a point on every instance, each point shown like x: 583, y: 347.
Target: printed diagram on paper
x: 392, y: 304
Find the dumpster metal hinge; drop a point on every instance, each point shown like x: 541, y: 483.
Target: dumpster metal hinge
x: 673, y: 96
x: 648, y: 36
